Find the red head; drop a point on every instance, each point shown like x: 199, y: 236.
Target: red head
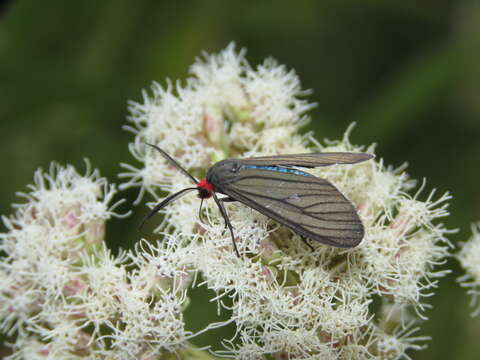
x: 205, y: 189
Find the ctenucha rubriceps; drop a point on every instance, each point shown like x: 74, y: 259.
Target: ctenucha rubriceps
x: 310, y: 206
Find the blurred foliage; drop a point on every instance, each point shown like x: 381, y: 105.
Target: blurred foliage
x: 407, y: 72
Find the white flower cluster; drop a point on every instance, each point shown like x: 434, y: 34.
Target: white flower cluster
x: 469, y: 257
x: 64, y: 296
x: 288, y: 301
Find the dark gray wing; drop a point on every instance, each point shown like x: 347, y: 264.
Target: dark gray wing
x: 308, y: 205
x: 308, y: 160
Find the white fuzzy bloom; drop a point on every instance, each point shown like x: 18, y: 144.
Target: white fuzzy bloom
x: 288, y: 301
x: 396, y: 343
x: 63, y: 295
x: 469, y: 257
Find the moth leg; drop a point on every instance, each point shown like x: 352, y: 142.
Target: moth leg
x: 228, y: 224
x: 224, y: 200
x: 200, y: 212
x: 307, y: 243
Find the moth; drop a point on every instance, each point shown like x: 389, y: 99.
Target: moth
x: 274, y: 186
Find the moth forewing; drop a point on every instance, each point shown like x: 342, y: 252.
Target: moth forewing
x: 308, y: 205
x: 310, y: 160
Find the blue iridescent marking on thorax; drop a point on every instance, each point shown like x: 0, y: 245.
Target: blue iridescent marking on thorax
x: 278, y: 169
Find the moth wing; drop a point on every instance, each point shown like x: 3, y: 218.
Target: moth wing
x: 309, y: 160
x: 310, y: 206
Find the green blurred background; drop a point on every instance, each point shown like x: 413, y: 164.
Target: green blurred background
x: 407, y: 72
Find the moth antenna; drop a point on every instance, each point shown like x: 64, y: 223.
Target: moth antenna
x: 165, y: 202
x: 174, y: 162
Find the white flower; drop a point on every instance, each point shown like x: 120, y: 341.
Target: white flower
x: 64, y: 296
x: 396, y: 344
x: 62, y: 216
x: 287, y: 300
x: 469, y: 257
